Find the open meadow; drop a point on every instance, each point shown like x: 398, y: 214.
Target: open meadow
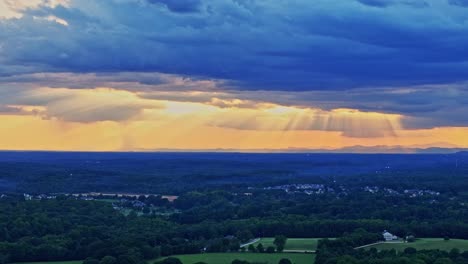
x: 426, y: 243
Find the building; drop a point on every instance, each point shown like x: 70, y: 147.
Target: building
x: 389, y: 236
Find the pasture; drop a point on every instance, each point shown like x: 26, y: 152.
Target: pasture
x: 426, y: 243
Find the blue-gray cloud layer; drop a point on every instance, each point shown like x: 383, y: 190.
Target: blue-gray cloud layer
x: 396, y: 56
x: 263, y: 44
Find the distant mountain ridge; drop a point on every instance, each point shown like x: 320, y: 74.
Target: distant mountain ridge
x: 357, y: 149
x: 379, y: 149
x: 398, y: 149
x: 390, y: 150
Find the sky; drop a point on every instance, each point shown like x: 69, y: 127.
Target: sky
x: 142, y: 75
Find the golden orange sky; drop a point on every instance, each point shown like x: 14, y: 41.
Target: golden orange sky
x: 107, y: 119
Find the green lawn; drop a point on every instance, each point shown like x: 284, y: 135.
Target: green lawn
x: 227, y: 258
x: 426, y: 243
x: 292, y: 243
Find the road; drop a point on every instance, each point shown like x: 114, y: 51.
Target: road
x: 253, y: 241
x: 378, y: 243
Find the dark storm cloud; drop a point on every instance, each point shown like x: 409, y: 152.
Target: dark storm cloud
x: 463, y: 3
x: 378, y: 3
x: 330, y: 53
x: 385, y: 3
x: 280, y: 45
x: 182, y: 6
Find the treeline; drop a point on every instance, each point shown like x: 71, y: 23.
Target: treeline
x: 320, y: 215
x: 323, y: 215
x: 220, y: 205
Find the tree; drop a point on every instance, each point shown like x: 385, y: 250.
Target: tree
x: 170, y: 260
x: 443, y: 261
x: 347, y: 260
x: 410, y: 250
x: 244, y: 235
x: 4, y: 259
x: 270, y: 249
x: 128, y: 259
x: 252, y: 249
x: 150, y: 252
x: 284, y: 261
x: 237, y: 261
x: 108, y: 260
x: 234, y: 245
x: 90, y: 261
x: 260, y: 248
x: 280, y: 242
x: 454, y: 253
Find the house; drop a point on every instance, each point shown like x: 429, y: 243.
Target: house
x: 388, y: 236
x: 137, y: 203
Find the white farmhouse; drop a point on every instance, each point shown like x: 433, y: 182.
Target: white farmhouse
x: 389, y: 236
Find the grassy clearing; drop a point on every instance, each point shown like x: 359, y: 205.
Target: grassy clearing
x: 227, y: 258
x: 426, y: 243
x: 306, y: 244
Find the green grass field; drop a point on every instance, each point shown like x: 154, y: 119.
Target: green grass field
x: 426, y: 243
x: 306, y: 244
x: 227, y: 258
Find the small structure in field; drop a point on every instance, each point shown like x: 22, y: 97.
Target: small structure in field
x: 389, y: 236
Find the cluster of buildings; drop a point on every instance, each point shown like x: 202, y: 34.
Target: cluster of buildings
x: 29, y: 197
x: 311, y: 189
x: 302, y: 188
x: 416, y: 192
x: 407, y: 192
x: 91, y: 196
x: 124, y: 203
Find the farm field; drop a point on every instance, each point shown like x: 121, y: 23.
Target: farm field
x: 227, y: 258
x: 305, y: 244
x: 426, y: 243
